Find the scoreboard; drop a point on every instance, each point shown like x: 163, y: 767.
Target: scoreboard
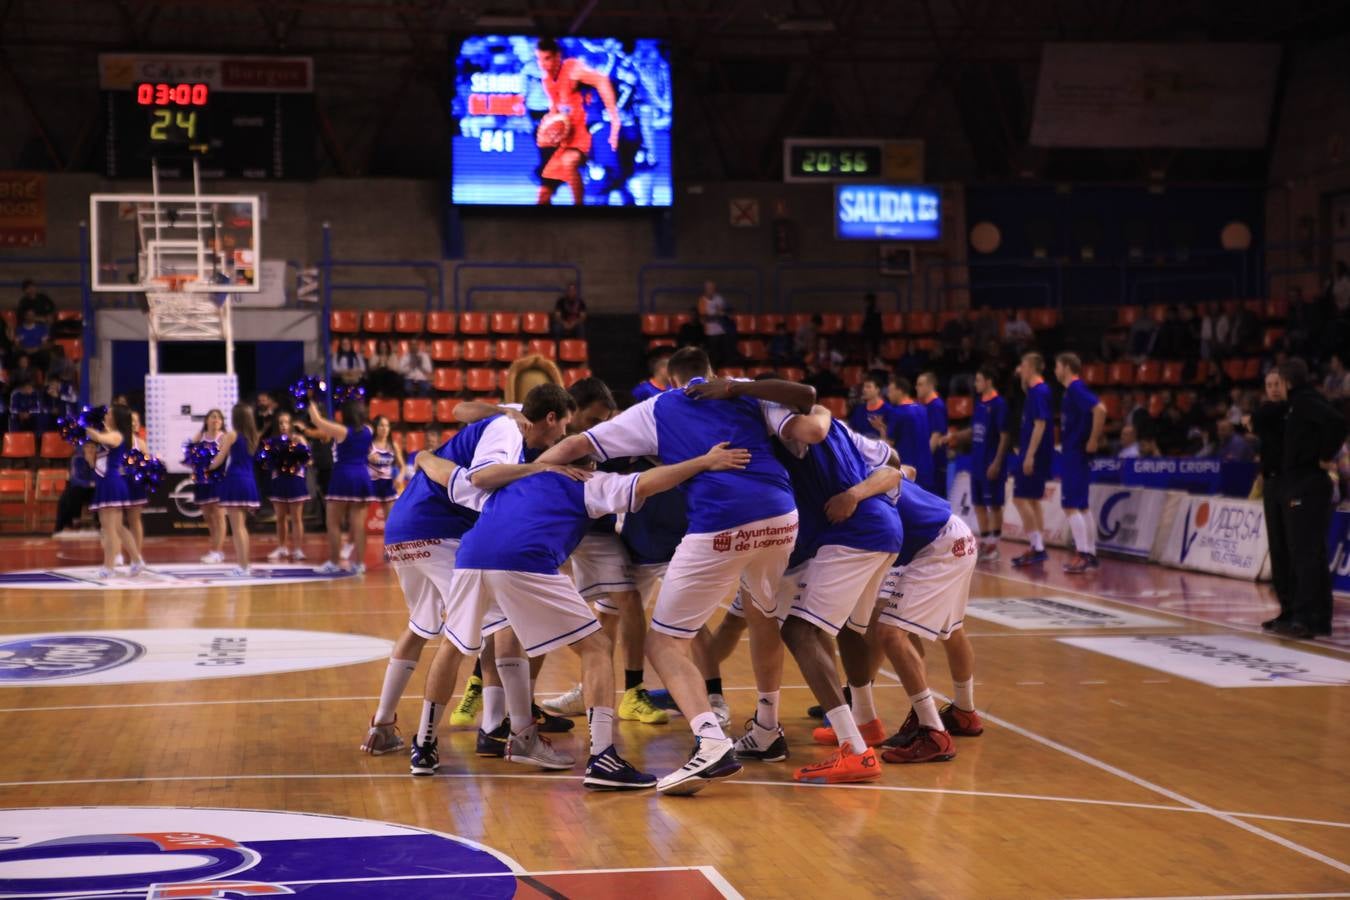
x: 241, y: 117
x: 862, y: 159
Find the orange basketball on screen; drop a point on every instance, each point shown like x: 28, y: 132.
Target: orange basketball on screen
x: 553, y: 130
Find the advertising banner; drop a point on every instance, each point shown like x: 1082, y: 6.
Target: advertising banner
x: 1126, y: 518
x: 1218, y: 535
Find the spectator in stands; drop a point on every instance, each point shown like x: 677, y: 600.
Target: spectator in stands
x: 60, y: 367
x: 1338, y: 289
x: 1144, y: 331
x: 382, y: 370
x: 825, y: 353
x: 22, y: 373
x: 804, y: 341
x: 872, y: 328
x: 1233, y: 445
x: 79, y: 489
x: 1129, y: 443
x: 33, y: 300
x: 349, y: 366
x: 1307, y: 324
x: 984, y: 328
x: 60, y: 399
x: 821, y: 374
x: 712, y: 315
x: 1172, y: 340
x: 913, y: 361
x: 265, y: 413
x: 691, y: 332
x: 780, y: 346
x: 25, y: 407
x: 958, y: 365
x: 871, y: 405
x: 415, y: 367
x: 1018, y: 335
x: 33, y: 336
x: 956, y: 328
x: 569, y: 315
x: 1336, y: 384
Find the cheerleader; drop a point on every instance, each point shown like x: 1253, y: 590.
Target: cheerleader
x: 237, y: 492
x: 110, y: 492
x: 288, y: 492
x: 349, y: 487
x: 204, y: 492
x: 136, y: 489
x: 385, y: 461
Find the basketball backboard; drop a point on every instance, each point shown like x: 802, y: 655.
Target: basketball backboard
x: 180, y: 243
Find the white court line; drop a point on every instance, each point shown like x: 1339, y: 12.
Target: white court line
x: 884, y: 788
x: 1196, y: 805
x: 1228, y: 897
x: 1166, y: 612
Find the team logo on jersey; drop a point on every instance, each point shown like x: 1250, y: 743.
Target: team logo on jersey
x: 140, y: 853
x: 170, y: 576
x: 187, y: 654
x: 722, y: 542
x: 63, y: 656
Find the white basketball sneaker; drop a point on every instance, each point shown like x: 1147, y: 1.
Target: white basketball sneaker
x: 347, y: 551
x: 213, y: 557
x: 278, y: 555
x: 712, y: 758
x: 720, y: 709
x: 569, y: 704
x: 298, y: 554
x: 531, y: 748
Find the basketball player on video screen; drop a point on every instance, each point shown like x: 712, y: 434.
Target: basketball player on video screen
x: 562, y: 80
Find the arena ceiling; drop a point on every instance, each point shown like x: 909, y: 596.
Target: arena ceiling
x: 958, y: 73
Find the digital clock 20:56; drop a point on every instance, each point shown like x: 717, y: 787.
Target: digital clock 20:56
x: 831, y: 162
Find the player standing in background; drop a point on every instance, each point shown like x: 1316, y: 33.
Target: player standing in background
x: 989, y: 441
x: 1083, y: 417
x: 904, y: 425
x: 936, y: 407
x: 658, y: 381
x: 872, y: 404
x: 562, y: 80
x: 1035, y: 451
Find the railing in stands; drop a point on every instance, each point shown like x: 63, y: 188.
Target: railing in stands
x: 695, y: 292
x: 782, y: 271
x: 434, y: 298
x: 509, y: 288
x: 645, y: 298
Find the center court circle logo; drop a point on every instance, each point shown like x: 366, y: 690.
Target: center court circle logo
x: 161, y: 853
x: 182, y: 654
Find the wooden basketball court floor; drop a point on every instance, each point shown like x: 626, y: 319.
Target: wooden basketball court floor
x: 1096, y: 776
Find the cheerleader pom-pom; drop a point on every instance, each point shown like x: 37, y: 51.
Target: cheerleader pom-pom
x: 197, y: 456
x: 151, y: 472
x: 94, y: 417
x: 72, y: 431
x: 306, y: 388
x: 284, y: 455
x: 344, y: 392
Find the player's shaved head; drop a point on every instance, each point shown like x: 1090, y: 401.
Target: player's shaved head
x: 687, y: 364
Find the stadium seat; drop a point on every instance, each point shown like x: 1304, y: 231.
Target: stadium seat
x: 655, y: 324
x: 1120, y: 373
x: 853, y: 323
x: 55, y: 447
x: 947, y: 315
x: 475, y: 351
x: 534, y: 323
x: 756, y: 371
x: 417, y: 409
x: 731, y: 372
x: 1251, y: 369
x: 852, y: 376
x: 960, y: 407
x: 1233, y: 368
x: 473, y: 323
x: 384, y: 407
x: 508, y: 351
x: 1270, y: 337
x: 1158, y: 311
x: 16, y: 490
x: 544, y: 347
x: 72, y: 347
x: 797, y: 320
x: 69, y: 315
x: 444, y: 351
x: 892, y: 349
x: 1173, y: 371
x: 1126, y: 316
x: 922, y: 323
x: 791, y: 373
x: 450, y: 381
x: 1255, y: 306
x: 1114, y: 405
x: 1043, y: 319
x: 445, y: 409
x: 1202, y: 370
x: 480, y: 381
x: 928, y: 345
x: 1277, y: 309
x: 414, y: 441
x: 377, y: 321
x: 573, y: 351
x: 660, y: 342
x: 678, y: 321
x: 831, y: 323
x: 837, y: 406
x: 768, y: 323
x: 572, y: 376
x: 505, y: 323
x: 1185, y: 400
x: 19, y: 445
x: 745, y: 324
x: 1150, y: 372
x: 47, y: 490
x: 440, y: 323
x: 892, y: 323
x: 344, y: 321
x: 1094, y: 373
x: 408, y: 321
x: 752, y: 350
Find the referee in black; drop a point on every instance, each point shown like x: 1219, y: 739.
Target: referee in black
x: 1267, y: 422
x: 1313, y: 433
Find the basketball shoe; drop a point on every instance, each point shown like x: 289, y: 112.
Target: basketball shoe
x: 279, y: 554
x: 636, y: 706
x: 550, y: 724
x: 748, y: 747
x: 569, y: 704
x: 713, y: 758
x: 382, y: 738
x: 960, y: 722
x: 608, y: 771
x: 425, y: 759
x: 872, y: 732
x: 925, y: 745
x: 470, y: 705
x: 1030, y: 558
x: 493, y: 743
x: 531, y: 748
x: 843, y: 766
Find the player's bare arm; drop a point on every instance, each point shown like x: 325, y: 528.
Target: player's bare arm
x: 799, y: 397
x: 568, y: 450
x: 469, y: 411
x: 720, y: 458
x: 842, y: 505
x: 1098, y: 424
x: 605, y: 88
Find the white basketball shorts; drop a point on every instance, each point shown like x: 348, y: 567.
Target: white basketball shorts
x: 600, y: 567
x: 423, y: 568
x: 928, y: 597
x: 545, y: 611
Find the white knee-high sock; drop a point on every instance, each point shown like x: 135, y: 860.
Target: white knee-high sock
x: 846, y: 729
x: 964, y: 694
x: 395, y: 680
x: 515, y: 675
x: 432, y: 713
x: 1078, y: 526
x: 1037, y: 542
x: 864, y: 706
x: 926, y: 710
x: 1091, y: 533
x: 494, y: 707
x: 601, y: 722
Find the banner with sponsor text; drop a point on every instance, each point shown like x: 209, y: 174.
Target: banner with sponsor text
x: 1126, y: 518
x: 1218, y: 535
x: 1338, y: 551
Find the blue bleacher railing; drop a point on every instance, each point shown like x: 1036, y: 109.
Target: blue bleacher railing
x: 878, y: 284
x: 467, y: 303
x: 701, y: 272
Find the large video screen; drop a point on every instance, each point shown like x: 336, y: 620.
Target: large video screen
x: 566, y: 122
x: 887, y: 212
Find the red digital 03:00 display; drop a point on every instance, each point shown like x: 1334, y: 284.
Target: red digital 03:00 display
x: 162, y: 94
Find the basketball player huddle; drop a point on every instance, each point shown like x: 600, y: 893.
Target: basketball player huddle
x: 712, y: 490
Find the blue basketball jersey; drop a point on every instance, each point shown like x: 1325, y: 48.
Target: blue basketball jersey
x: 424, y: 511
x: 922, y: 515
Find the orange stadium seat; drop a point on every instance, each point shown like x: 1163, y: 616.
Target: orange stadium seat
x: 655, y: 324
x: 1254, y: 306
x: 534, y: 322
x: 732, y: 372
x: 1173, y: 371
x: 768, y: 322
x: 852, y: 376
x: 1277, y: 309
x: 922, y: 323
x: 947, y: 315
x: 508, y: 351
x: 837, y: 406
x: 1233, y: 368
x: 344, y: 321
x: 1159, y: 312
x: 544, y: 347
x: 960, y: 407
x: 572, y: 351
x: 1126, y: 316
x: 745, y: 324
x: 1202, y: 370
x: 853, y: 323
x: 831, y: 323
x: 475, y: 351
x: 1270, y: 337
x: 797, y: 320
x: 407, y: 321
x: 1251, y: 369
x: 1114, y: 405
x: 572, y: 376
x: 450, y: 381
x: 660, y: 342
x: 678, y: 321
x: 1150, y: 372
x: 440, y: 323
x: 505, y: 323
x: 473, y: 323
x: 892, y: 323
x: 382, y: 407
x: 55, y: 447
x: 480, y: 381
x: 69, y: 315
x: 445, y: 410
x: 1120, y: 373
x: 377, y: 321
x: 1094, y: 373
x: 791, y: 373
x: 1044, y: 318
x: 19, y: 448
x: 417, y: 409
x: 444, y: 351
x: 752, y: 350
x: 72, y: 347
x: 756, y: 371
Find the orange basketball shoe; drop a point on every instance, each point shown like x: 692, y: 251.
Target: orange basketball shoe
x: 927, y: 745
x: 872, y: 732
x: 960, y: 722
x: 843, y: 766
